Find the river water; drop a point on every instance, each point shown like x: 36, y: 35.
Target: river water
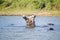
x: 14, y: 28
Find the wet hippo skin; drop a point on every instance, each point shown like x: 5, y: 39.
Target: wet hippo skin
x: 30, y: 21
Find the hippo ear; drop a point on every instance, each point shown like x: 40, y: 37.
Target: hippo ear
x: 33, y: 16
x: 25, y: 17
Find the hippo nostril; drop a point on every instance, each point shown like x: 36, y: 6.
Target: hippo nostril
x: 31, y: 21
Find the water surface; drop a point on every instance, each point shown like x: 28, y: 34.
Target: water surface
x: 14, y: 28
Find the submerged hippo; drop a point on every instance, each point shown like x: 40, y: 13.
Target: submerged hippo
x: 50, y: 24
x: 51, y: 29
x: 30, y: 20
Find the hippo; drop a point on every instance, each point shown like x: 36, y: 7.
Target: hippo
x: 30, y: 20
x: 51, y: 29
x: 50, y: 24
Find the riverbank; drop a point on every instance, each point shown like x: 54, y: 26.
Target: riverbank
x: 27, y: 12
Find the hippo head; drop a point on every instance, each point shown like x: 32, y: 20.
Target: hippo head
x: 30, y: 20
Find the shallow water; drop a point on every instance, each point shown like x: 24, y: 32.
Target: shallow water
x: 14, y: 28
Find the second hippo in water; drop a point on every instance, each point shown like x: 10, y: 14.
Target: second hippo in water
x: 51, y: 24
x: 30, y: 21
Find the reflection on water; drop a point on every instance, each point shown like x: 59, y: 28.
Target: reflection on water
x: 14, y: 28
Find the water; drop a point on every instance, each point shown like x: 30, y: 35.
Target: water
x: 14, y: 28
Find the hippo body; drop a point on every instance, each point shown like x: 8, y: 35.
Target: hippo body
x: 30, y: 21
